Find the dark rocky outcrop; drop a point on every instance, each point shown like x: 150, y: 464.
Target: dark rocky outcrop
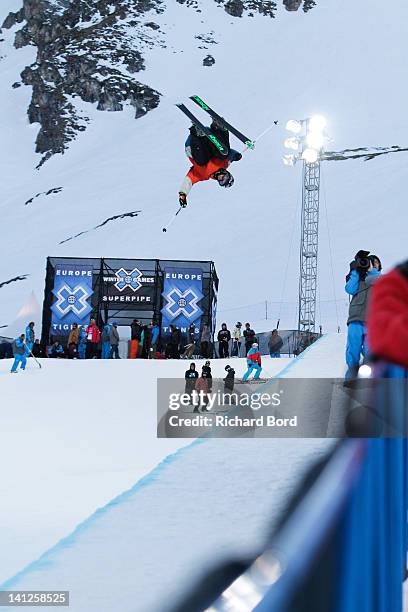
x: 85, y: 50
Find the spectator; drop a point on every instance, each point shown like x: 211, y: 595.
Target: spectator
x: 206, y: 369
x: 253, y: 362
x: 82, y: 343
x: 387, y: 320
x: 147, y: 334
x: 20, y: 352
x: 249, y: 336
x: 56, y: 351
x: 114, y: 341
x: 191, y: 377
x: 190, y: 346
x: 30, y: 336
x: 105, y: 338
x: 229, y: 380
x: 93, y: 335
x: 155, y: 340
x: 275, y: 344
x: 224, y: 336
x: 73, y: 339
x: 237, y: 340
x: 358, y: 284
x: 38, y: 350
x: 6, y: 350
x: 202, y: 386
x: 135, y: 337
x: 205, y: 341
x: 173, y: 347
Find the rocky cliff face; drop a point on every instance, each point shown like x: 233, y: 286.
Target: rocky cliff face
x: 93, y: 50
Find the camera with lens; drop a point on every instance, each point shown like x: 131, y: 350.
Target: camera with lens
x: 361, y: 264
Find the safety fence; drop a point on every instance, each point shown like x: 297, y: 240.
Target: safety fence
x: 341, y: 544
x: 293, y: 343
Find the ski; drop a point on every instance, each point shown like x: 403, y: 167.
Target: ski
x: 221, y: 148
x: 247, y: 141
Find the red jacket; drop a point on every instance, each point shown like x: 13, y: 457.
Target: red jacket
x: 254, y: 357
x: 203, y: 173
x: 387, y: 322
x: 94, y: 331
x: 202, y: 384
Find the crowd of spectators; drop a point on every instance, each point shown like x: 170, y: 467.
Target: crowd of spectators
x: 146, y: 342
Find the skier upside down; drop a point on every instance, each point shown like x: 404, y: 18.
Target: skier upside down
x: 207, y: 161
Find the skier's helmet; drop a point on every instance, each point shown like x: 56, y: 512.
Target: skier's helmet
x: 224, y: 178
x: 255, y: 345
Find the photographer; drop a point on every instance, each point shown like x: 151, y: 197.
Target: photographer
x: 358, y: 284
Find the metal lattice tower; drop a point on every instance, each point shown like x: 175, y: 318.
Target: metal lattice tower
x: 309, y: 247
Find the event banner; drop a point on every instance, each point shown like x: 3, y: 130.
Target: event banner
x: 73, y: 292
x: 181, y: 298
x: 129, y: 288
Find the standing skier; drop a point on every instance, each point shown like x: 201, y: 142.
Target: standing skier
x: 207, y: 161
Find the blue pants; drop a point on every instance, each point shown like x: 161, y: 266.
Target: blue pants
x: 253, y: 366
x: 19, y: 359
x: 114, y: 351
x: 106, y: 351
x: 356, y: 346
x: 274, y: 354
x: 82, y: 350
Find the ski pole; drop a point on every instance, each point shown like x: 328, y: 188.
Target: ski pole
x: 171, y: 220
x: 31, y: 353
x: 261, y: 135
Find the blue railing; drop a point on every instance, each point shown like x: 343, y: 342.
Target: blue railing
x: 341, y: 545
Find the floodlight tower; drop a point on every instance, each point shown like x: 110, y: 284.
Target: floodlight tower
x: 308, y: 138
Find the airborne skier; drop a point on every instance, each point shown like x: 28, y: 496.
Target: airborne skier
x: 207, y: 160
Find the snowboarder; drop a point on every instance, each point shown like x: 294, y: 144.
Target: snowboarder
x: 20, y: 352
x: 207, y: 161
x: 253, y: 362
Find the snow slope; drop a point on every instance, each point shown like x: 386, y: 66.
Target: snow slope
x: 212, y: 499
x: 342, y: 59
x: 74, y: 435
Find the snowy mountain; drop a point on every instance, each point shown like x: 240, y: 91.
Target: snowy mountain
x: 79, y: 180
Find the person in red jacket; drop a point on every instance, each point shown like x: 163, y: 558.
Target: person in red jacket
x: 387, y: 323
x: 202, y: 386
x: 253, y: 362
x: 207, y: 161
x: 93, y: 336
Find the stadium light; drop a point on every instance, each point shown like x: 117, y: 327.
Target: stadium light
x: 315, y: 140
x: 292, y: 143
x: 317, y: 124
x: 294, y: 126
x: 310, y: 156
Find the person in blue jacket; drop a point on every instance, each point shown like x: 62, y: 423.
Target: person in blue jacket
x: 364, y: 271
x: 20, y: 352
x: 30, y: 336
x: 56, y: 351
x: 253, y: 362
x: 82, y: 343
x: 155, y: 339
x: 105, y: 338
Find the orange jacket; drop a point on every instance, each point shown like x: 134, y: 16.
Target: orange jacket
x: 202, y: 173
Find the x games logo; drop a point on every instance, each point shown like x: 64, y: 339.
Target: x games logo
x: 128, y: 280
